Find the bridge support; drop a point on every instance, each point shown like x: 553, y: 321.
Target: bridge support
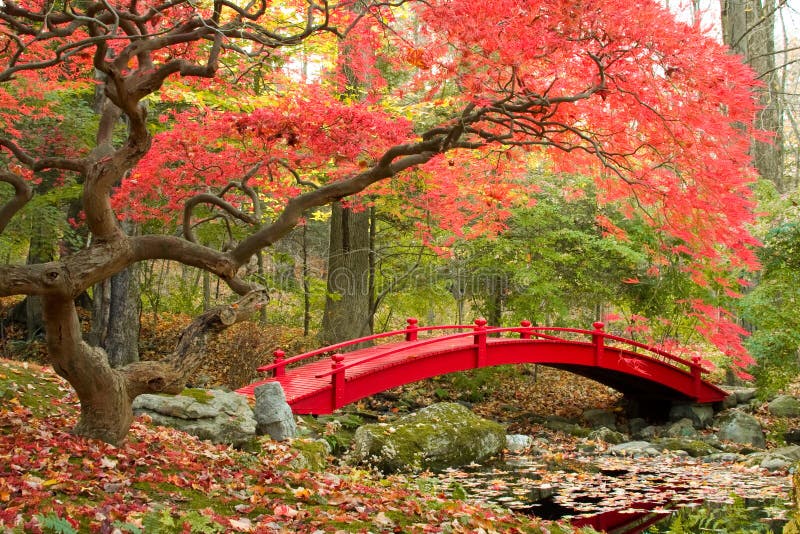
x: 280, y: 369
x: 411, y: 329
x: 480, y: 342
x: 337, y: 380
x: 598, y: 338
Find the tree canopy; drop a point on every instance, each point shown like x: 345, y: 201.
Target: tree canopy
x: 250, y: 110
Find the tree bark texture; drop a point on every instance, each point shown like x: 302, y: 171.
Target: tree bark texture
x: 748, y: 27
x: 116, y: 317
x: 106, y: 393
x: 347, y: 304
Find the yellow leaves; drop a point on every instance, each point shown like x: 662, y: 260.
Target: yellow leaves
x: 302, y: 494
x: 321, y: 215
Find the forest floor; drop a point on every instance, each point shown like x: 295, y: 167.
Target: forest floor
x: 162, y: 480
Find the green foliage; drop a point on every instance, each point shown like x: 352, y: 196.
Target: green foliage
x: 51, y: 523
x: 192, y: 521
x: 735, y: 518
x: 772, y: 307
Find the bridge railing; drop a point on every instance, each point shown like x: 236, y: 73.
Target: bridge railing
x: 410, y: 333
x: 480, y: 332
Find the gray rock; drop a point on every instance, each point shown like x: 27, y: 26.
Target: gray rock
x: 700, y: 415
x: 775, y: 459
x: 725, y: 457
x: 791, y: 452
x: 784, y: 406
x: 648, y: 432
x: 681, y: 429
x: 730, y: 401
x: 215, y: 415
x: 436, y: 437
x: 775, y: 463
x: 743, y: 394
x: 600, y: 418
x: 636, y: 425
x: 518, y: 443
x: 607, y: 435
x: 739, y: 427
x: 635, y: 449
x: 273, y: 415
x: 693, y: 447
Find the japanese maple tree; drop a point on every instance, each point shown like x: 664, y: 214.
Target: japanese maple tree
x: 656, y: 112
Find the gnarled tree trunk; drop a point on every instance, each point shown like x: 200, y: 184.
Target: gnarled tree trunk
x: 106, y: 393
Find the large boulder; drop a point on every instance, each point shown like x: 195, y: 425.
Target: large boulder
x: 694, y: 447
x: 273, y: 414
x: 215, y: 415
x: 784, y: 406
x: 436, y: 437
x: 738, y: 396
x: 700, y: 415
x: 597, y: 418
x: 742, y: 428
x: 681, y: 429
x: 607, y: 435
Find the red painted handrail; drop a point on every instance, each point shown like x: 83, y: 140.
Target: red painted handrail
x: 343, y: 344
x: 532, y: 330
x: 411, y: 331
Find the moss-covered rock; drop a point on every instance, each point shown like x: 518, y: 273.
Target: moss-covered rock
x: 573, y: 429
x: 312, y: 454
x: 694, y: 447
x: 439, y: 436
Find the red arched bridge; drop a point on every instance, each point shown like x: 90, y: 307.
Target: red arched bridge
x: 320, y: 386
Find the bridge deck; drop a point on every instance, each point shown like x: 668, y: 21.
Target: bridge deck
x: 314, y: 385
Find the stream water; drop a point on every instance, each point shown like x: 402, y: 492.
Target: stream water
x: 624, y: 495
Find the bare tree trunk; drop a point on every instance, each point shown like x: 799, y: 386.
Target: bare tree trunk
x: 116, y: 317
x: 306, y: 284
x: 347, y: 304
x: 748, y: 27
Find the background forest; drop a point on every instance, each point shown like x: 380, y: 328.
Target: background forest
x: 545, y: 248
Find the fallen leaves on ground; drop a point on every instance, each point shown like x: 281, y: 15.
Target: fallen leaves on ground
x: 167, y: 481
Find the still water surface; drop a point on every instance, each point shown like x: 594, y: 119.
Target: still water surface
x: 631, y: 495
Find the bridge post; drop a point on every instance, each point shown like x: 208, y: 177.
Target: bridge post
x: 598, y: 339
x: 480, y: 341
x: 411, y: 329
x: 280, y: 370
x: 696, y: 374
x: 525, y: 334
x: 337, y: 380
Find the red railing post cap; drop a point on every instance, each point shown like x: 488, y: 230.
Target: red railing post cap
x: 525, y: 323
x: 480, y: 321
x: 412, y: 321
x: 279, y: 353
x: 337, y: 358
x: 598, y: 325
